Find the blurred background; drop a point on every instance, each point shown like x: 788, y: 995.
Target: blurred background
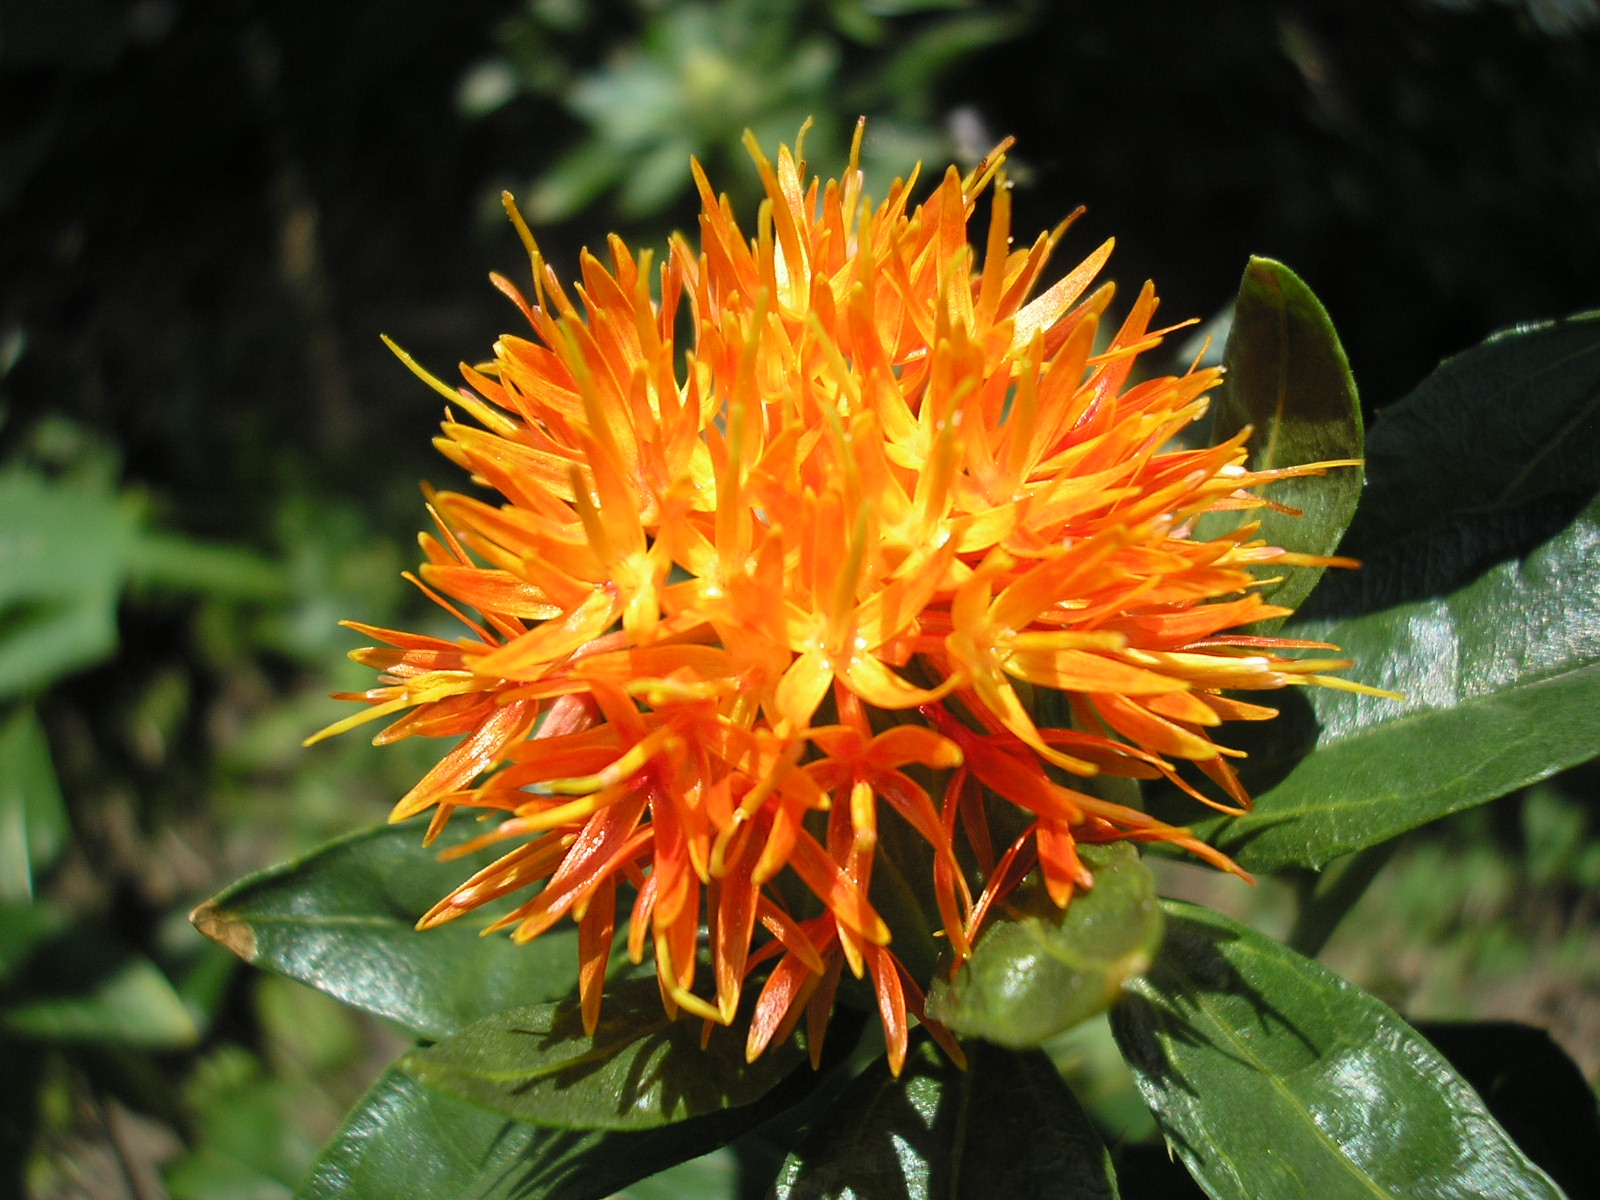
x: 208, y: 213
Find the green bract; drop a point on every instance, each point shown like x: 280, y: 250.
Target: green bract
x: 1038, y: 970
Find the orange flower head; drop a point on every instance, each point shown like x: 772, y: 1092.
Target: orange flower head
x: 736, y: 597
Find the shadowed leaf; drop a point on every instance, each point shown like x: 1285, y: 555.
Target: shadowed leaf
x: 1003, y: 1129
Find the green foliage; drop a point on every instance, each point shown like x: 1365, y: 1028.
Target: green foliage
x: 939, y: 1130
x: 244, y: 1145
x: 404, y: 1139
x: 1478, y: 538
x: 1288, y: 380
x: 1039, y: 970
x: 639, y: 1069
x: 342, y: 919
x: 33, y: 818
x: 62, y: 984
x: 699, y: 74
x: 62, y: 570
x: 69, y: 549
x: 1273, y: 1078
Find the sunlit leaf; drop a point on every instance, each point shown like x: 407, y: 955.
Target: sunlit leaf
x: 1288, y: 378
x: 405, y: 1139
x: 1532, y: 1087
x: 1038, y: 970
x: 1479, y: 601
x: 1274, y: 1079
x: 1005, y: 1128
x: 342, y: 919
x: 639, y: 1070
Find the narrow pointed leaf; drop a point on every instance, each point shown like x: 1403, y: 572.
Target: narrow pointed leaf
x: 1479, y: 600
x: 342, y: 919
x: 1003, y: 1129
x: 1039, y: 970
x: 62, y: 566
x: 1274, y: 1079
x: 72, y: 985
x: 33, y: 818
x: 639, y: 1070
x: 1289, y: 379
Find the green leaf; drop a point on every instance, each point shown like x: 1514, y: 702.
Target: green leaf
x: 63, y: 559
x: 1273, y: 1078
x: 405, y: 1139
x: 343, y: 918
x: 402, y: 1139
x: 75, y: 986
x: 639, y: 1070
x: 67, y: 550
x: 33, y: 819
x: 1288, y: 377
x: 1531, y: 1086
x: 1488, y: 457
x: 1005, y: 1128
x: 244, y: 1137
x: 713, y: 1176
x: 1502, y: 687
x: 1479, y: 601
x: 1039, y: 970
x: 24, y: 928
x: 179, y: 563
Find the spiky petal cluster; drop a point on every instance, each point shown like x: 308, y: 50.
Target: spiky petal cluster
x: 736, y: 597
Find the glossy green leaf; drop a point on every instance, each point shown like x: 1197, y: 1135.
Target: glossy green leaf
x: 1488, y: 457
x: 33, y: 819
x: 1274, y: 1079
x: 639, y: 1070
x: 1532, y: 1088
x: 72, y: 985
x: 1479, y: 601
x: 1005, y: 1128
x: 405, y: 1139
x: 713, y: 1176
x: 1038, y: 970
x: 1502, y: 687
x: 1288, y: 378
x: 342, y: 919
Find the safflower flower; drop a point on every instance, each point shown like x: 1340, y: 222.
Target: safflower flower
x: 740, y: 595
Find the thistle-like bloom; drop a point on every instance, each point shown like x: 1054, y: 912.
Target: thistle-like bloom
x: 737, y: 597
